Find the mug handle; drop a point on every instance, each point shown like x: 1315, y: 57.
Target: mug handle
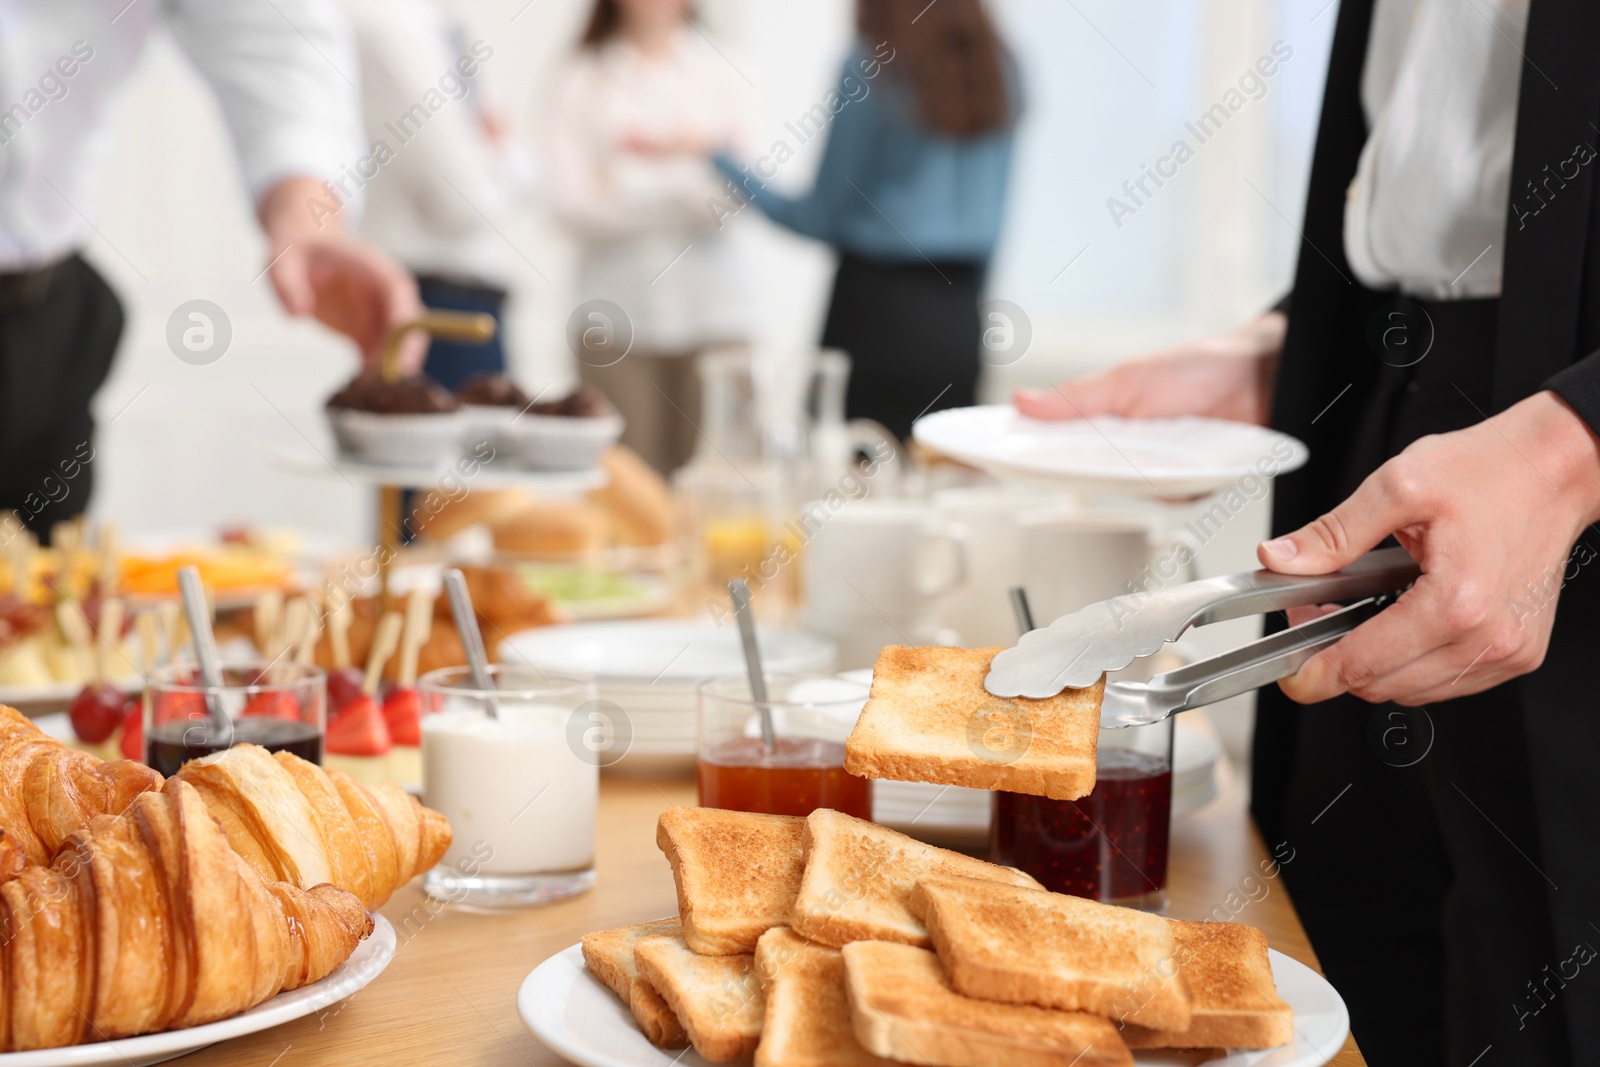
x: 954, y: 537
x: 873, y: 438
x: 1163, y: 542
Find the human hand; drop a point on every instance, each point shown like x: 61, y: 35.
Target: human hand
x: 494, y: 125
x: 1490, y: 514
x: 1227, y: 377
x: 349, y: 286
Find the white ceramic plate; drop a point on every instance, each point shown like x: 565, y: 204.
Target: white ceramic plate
x: 662, y: 651
x: 1145, y: 457
x: 333, y: 464
x: 365, y: 963
x: 58, y: 694
x: 580, y: 1019
x: 909, y: 806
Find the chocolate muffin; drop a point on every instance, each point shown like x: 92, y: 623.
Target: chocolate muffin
x: 416, y: 395
x: 494, y: 391
x: 571, y: 433
x: 414, y: 422
x: 583, y: 402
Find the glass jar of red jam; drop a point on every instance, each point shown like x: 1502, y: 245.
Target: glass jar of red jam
x: 803, y: 769
x: 1109, y: 846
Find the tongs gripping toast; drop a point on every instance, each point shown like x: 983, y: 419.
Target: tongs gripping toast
x: 1076, y: 649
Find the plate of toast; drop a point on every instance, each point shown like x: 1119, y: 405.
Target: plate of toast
x: 829, y: 939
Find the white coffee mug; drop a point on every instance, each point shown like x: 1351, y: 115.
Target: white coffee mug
x: 980, y: 610
x: 1073, y: 557
x: 872, y: 571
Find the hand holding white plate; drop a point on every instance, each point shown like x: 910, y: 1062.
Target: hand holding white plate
x: 1177, y: 457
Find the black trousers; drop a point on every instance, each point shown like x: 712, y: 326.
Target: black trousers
x: 1445, y: 863
x: 913, y: 336
x: 56, y: 346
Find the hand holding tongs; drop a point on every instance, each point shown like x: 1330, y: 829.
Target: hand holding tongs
x: 1076, y: 649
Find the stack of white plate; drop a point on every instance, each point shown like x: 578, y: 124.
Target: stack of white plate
x: 1194, y: 768
x: 951, y: 812
x: 649, y: 668
x: 914, y: 807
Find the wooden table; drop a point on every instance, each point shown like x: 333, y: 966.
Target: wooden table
x: 449, y: 996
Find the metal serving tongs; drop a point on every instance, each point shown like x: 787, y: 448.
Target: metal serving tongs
x: 1075, y: 650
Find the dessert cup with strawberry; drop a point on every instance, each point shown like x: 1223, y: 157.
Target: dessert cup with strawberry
x: 278, y: 705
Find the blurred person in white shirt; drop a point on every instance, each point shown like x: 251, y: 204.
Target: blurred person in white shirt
x: 275, y: 67
x: 640, y: 107
x: 449, y: 176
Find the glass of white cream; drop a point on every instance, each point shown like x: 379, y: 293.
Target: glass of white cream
x: 513, y: 772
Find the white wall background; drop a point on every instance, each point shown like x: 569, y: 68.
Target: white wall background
x: 1110, y: 84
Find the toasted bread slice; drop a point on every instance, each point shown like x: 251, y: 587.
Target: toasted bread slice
x: 929, y: 719
x: 716, y: 998
x: 902, y: 1007
x: 859, y: 875
x: 609, y: 955
x: 1236, y: 1003
x: 808, y: 1019
x: 1028, y: 946
x: 737, y: 874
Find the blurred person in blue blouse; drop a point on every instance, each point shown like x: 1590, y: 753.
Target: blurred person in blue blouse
x: 910, y: 190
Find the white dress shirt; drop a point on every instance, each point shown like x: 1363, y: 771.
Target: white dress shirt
x: 436, y: 203
x: 279, y: 69
x: 649, y: 242
x: 1426, y: 212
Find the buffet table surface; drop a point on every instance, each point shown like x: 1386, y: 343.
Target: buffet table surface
x: 450, y: 994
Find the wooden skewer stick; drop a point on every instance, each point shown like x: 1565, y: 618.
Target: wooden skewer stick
x: 339, y: 632
x: 110, y: 565
x: 64, y: 539
x: 148, y: 628
x: 306, y: 653
x: 173, y: 628
x: 419, y: 627
x: 75, y: 628
x: 383, y: 646
x: 107, y: 650
x: 23, y: 546
x: 269, y: 624
x: 296, y: 617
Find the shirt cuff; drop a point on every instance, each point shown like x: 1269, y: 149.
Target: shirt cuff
x: 323, y: 154
x: 1579, y: 386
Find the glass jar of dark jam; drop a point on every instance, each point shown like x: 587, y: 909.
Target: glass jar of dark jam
x: 1109, y: 846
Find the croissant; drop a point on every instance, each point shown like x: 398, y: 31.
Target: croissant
x: 48, y: 791
x: 148, y: 921
x: 296, y: 822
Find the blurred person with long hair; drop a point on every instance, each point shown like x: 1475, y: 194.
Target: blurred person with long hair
x: 640, y: 107
x: 910, y: 190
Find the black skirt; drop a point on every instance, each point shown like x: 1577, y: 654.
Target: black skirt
x: 912, y: 333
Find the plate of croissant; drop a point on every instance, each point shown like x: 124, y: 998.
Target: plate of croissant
x: 142, y: 917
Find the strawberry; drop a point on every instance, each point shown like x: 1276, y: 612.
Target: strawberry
x: 96, y: 712
x: 359, y: 730
x: 133, y: 731
x: 171, y: 707
x: 274, y: 705
x: 344, y: 687
x: 402, y: 710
